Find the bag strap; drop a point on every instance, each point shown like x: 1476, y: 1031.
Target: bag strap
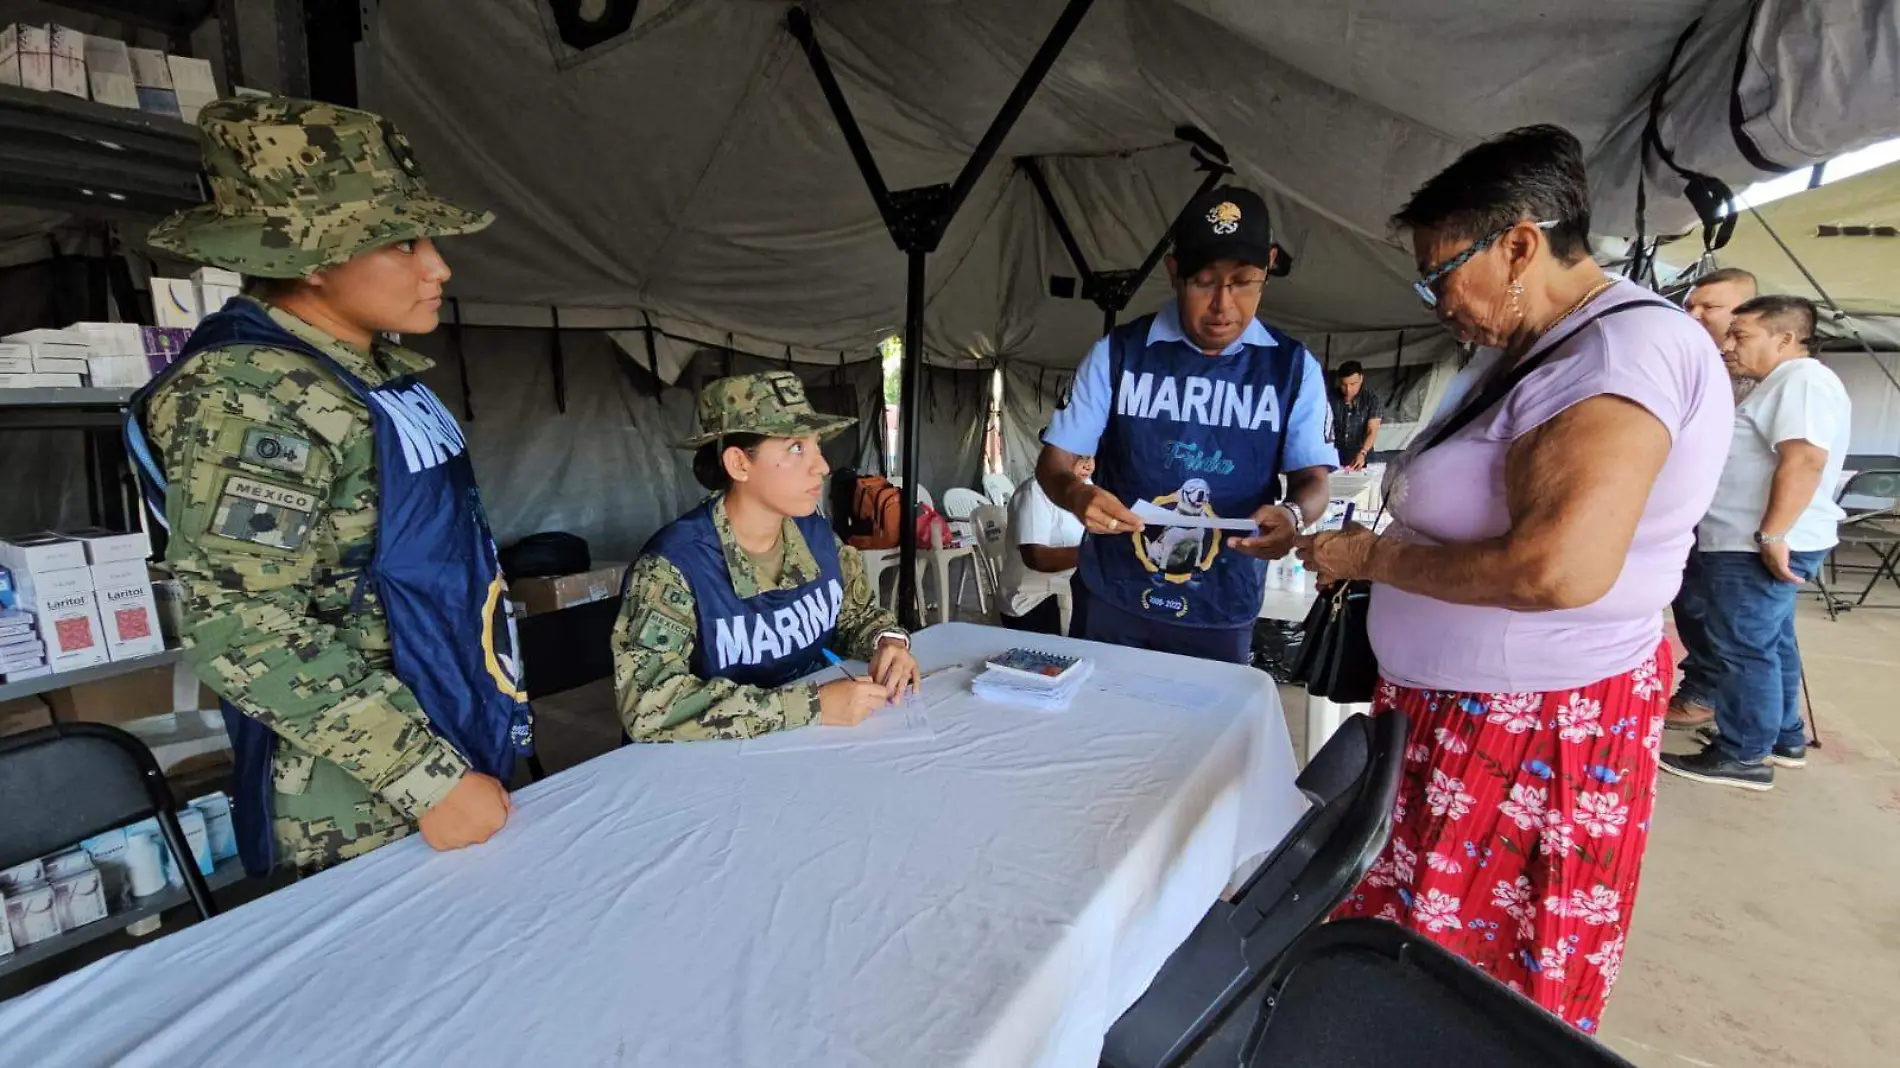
x: 1502, y: 386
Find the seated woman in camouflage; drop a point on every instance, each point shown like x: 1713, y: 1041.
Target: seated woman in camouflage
x: 736, y: 599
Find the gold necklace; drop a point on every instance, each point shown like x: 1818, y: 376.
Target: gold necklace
x: 1595, y: 291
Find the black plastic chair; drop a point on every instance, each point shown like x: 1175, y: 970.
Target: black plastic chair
x: 70, y: 781
x: 1367, y: 992
x: 1198, y: 1009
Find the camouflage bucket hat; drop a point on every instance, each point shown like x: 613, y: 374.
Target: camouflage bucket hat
x: 299, y: 185
x: 772, y: 404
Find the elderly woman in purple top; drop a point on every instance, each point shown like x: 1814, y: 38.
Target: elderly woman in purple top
x: 1517, y: 606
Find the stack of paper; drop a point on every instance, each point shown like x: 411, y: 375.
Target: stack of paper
x: 1011, y: 688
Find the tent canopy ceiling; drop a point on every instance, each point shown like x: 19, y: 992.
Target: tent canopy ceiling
x: 689, y: 173
x: 1844, y: 232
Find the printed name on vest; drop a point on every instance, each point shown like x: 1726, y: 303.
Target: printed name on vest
x: 750, y: 638
x: 427, y: 430
x: 1208, y: 402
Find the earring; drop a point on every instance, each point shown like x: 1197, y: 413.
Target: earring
x: 1516, y: 289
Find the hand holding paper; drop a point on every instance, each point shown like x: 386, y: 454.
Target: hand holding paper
x: 1152, y: 514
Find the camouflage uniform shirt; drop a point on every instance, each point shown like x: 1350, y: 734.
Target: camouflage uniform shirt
x: 273, y: 471
x: 659, y: 697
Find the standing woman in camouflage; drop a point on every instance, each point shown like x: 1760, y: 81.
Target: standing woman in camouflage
x: 734, y: 601
x: 342, y: 594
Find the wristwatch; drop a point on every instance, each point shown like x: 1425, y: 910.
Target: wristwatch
x: 893, y: 634
x: 1769, y: 539
x: 1298, y: 514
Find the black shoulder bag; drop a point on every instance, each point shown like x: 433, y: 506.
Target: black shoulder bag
x: 1336, y: 660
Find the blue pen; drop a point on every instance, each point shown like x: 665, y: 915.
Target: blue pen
x: 837, y: 663
x: 1346, y: 521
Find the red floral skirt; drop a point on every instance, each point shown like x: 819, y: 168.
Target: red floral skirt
x: 1519, y: 830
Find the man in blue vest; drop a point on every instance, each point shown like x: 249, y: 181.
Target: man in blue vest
x: 1196, y: 411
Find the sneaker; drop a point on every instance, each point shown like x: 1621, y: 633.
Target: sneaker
x: 1714, y: 766
x: 1789, y: 756
x: 1688, y: 716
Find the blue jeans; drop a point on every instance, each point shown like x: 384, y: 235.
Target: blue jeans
x: 1702, y: 669
x: 1751, y: 628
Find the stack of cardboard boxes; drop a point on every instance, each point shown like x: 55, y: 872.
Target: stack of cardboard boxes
x: 89, y: 595
x: 55, y: 59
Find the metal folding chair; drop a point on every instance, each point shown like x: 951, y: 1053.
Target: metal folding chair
x: 70, y: 781
x: 1200, y: 1007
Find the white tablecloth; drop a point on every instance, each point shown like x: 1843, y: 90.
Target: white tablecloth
x: 993, y: 896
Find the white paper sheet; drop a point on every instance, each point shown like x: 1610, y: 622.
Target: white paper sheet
x: 894, y: 723
x: 1156, y: 689
x: 1154, y: 515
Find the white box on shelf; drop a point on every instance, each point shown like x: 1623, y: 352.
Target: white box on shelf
x: 79, y: 898
x: 16, y: 359
x: 30, y: 915
x: 220, y: 833
x: 60, y: 365
x: 47, y: 336
x: 153, y: 78
x: 129, y: 618
x: 69, y: 61
x: 68, y: 619
x: 28, y: 554
x: 109, y: 72
x: 26, y: 57
x: 216, y: 276
x: 110, y: 339
x: 195, y: 85
x: 22, y: 874
x: 40, y: 381
x: 70, y: 862
x: 175, y: 302
x: 119, y: 372
x: 116, y: 574
x: 104, y: 546
x: 212, y: 297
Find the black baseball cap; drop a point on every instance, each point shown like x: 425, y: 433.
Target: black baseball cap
x: 1229, y: 223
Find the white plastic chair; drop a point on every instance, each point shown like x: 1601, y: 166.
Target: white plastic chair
x: 989, y: 528
x: 960, y: 502
x: 998, y: 488
x: 939, y: 558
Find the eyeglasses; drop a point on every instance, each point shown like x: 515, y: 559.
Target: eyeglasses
x: 1426, y: 286
x: 1238, y: 290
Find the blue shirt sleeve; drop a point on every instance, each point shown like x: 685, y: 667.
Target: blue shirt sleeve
x: 1078, y: 427
x: 1309, y: 434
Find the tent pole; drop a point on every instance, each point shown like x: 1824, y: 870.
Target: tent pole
x: 461, y: 359
x: 1012, y: 108
x: 557, y: 359
x: 910, y: 402
x: 1069, y: 244
x: 1846, y: 319
x: 798, y: 23
x: 917, y: 219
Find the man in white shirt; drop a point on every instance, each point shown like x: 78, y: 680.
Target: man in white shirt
x: 1044, y: 543
x: 1772, y: 523
x: 1711, y: 302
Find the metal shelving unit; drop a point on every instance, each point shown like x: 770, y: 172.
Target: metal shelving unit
x: 59, y: 680
x: 226, y: 873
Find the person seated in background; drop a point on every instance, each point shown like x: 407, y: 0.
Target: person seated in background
x: 734, y: 601
x: 1357, y: 413
x: 1773, y: 521
x: 1044, y: 544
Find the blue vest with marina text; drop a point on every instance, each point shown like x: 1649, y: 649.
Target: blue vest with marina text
x: 433, y: 568
x: 1200, y: 435
x: 768, y: 639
